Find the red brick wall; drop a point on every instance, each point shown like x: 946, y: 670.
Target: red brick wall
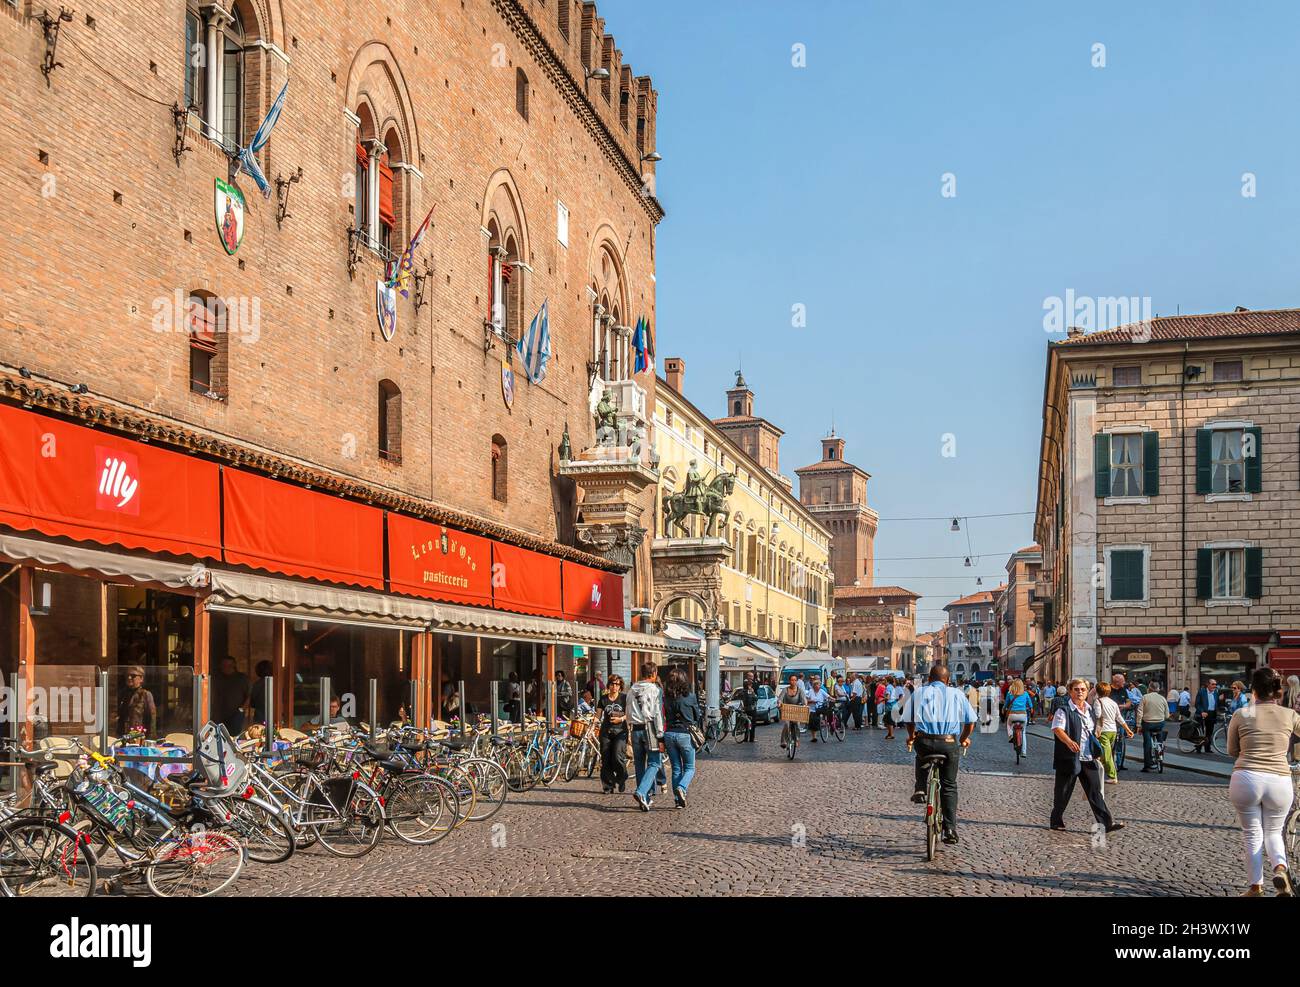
x: 84, y: 275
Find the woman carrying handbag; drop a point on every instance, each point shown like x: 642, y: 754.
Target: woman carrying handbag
x: 613, y: 735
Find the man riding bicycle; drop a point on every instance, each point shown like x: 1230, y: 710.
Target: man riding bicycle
x: 792, y: 695
x: 939, y: 721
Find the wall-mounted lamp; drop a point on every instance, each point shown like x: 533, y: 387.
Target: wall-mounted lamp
x: 42, y: 595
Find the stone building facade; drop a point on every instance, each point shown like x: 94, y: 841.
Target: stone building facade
x: 972, y: 633
x: 836, y: 492
x: 1017, y: 627
x: 876, y: 621
x: 1168, y: 499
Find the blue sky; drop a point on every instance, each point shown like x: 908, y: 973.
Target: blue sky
x: 821, y: 186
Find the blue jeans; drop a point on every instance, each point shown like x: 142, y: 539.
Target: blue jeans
x: 681, y: 752
x: 648, y: 763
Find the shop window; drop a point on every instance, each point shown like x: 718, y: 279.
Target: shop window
x: 500, y: 468
x: 390, y: 421
x: 521, y: 93
x: 208, y: 345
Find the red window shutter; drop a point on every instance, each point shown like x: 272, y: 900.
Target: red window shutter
x: 203, y: 329
x: 363, y: 158
x: 492, y: 285
x: 506, y: 270
x: 385, y: 192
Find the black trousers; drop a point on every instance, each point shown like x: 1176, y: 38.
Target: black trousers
x: 855, y: 711
x: 1207, y: 722
x: 1090, y: 778
x: 947, y: 775
x: 613, y: 764
x: 749, y: 730
x: 873, y: 717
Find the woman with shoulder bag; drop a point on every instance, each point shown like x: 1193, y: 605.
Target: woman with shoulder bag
x: 613, y: 735
x: 683, y: 715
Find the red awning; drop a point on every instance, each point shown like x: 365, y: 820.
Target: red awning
x: 70, y: 481
x: 1127, y: 640
x: 525, y: 581
x: 1230, y: 637
x: 439, y: 563
x: 281, y: 528
x: 1284, y: 659
x: 592, y: 596
x: 1289, y: 638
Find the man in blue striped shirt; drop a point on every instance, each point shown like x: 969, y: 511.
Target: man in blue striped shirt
x: 939, y: 720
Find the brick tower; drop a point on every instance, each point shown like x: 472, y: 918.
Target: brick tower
x: 836, y: 493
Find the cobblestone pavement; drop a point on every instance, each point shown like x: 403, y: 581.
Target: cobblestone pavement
x: 837, y: 819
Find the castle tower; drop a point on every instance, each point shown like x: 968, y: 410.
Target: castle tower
x: 835, y: 491
x: 757, y: 436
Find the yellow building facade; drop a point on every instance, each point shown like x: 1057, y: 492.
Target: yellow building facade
x: 777, y: 585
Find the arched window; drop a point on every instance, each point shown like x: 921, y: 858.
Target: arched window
x: 521, y: 93
x: 611, y: 340
x: 378, y: 185
x: 390, y: 421
x: 209, y: 344
x: 505, y: 282
x: 215, y: 40
x: 500, y: 468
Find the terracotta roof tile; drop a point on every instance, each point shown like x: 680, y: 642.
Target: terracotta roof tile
x: 1208, y: 326
x: 891, y: 592
x: 829, y: 464
x: 985, y: 596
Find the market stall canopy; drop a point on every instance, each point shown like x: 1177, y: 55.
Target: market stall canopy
x: 687, y: 635
x: 239, y: 592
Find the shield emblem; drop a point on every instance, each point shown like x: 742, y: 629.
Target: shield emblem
x: 507, y: 386
x: 386, y: 308
x: 228, y: 206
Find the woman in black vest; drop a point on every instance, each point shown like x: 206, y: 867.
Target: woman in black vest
x: 1075, y: 758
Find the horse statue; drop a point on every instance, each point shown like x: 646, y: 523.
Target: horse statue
x: 710, y: 503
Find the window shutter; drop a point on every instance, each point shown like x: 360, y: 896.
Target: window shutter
x: 386, y: 215
x: 363, y: 158
x: 1101, y: 463
x: 1150, y: 463
x: 1254, y: 464
x: 1254, y: 573
x: 1126, y: 575
x: 1204, y: 559
x: 492, y: 285
x: 1204, y: 454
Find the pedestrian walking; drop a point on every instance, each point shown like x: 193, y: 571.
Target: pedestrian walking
x: 749, y: 702
x: 645, y: 713
x: 857, y: 690
x: 1109, y: 723
x: 1120, y: 696
x: 613, y: 735
x: 1152, y: 713
x: 1293, y: 692
x: 1262, y: 738
x: 1075, y: 758
x: 1184, y: 704
x: 1207, y: 711
x: 1172, y: 699
x: 683, y: 713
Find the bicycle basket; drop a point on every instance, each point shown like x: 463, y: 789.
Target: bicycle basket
x: 337, y: 792
x: 578, y: 729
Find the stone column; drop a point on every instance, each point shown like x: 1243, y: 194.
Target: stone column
x: 215, y: 18
x: 374, y: 148
x: 712, y: 666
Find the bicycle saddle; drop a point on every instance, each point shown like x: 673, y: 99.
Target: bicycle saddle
x: 930, y: 759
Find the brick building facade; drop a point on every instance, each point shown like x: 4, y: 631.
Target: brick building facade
x: 138, y: 303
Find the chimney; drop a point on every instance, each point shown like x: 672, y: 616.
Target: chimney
x: 674, y: 372
x: 1074, y: 332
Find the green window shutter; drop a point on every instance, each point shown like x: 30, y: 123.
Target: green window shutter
x: 1254, y: 473
x: 1254, y: 573
x: 1204, y: 558
x: 1150, y: 463
x: 1126, y: 575
x: 1204, y: 453
x: 1101, y: 463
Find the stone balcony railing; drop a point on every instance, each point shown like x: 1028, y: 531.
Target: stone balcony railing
x: 630, y: 398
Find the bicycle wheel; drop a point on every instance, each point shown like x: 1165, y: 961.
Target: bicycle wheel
x: 1219, y: 740
x: 195, y: 865
x: 794, y: 742
x: 352, y: 831
x: 740, y: 728
x: 550, y: 769
x: 491, y: 787
x: 932, y: 814
x: 838, y: 728
x: 414, y: 806
x: 265, y: 836
x: 572, y: 762
x: 465, y: 787
x: 1291, y: 839
x: 296, y: 782
x: 40, y: 858
x: 1187, y: 746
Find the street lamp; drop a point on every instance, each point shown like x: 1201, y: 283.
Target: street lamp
x: 956, y: 524
x: 601, y: 73
x: 653, y: 157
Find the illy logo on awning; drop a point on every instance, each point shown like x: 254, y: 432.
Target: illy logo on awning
x: 595, y: 594
x: 119, y: 481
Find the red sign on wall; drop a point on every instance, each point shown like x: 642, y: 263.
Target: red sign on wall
x: 282, y: 528
x: 524, y: 581
x: 67, y: 480
x: 592, y: 596
x: 437, y: 562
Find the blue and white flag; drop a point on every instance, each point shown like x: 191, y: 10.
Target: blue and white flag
x: 534, y: 347
x: 247, y: 155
